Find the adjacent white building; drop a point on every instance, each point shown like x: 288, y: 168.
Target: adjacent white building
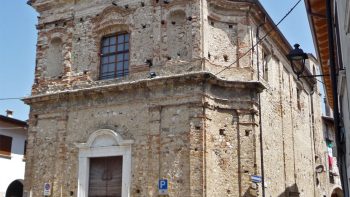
x: 13, y: 135
x: 343, y: 37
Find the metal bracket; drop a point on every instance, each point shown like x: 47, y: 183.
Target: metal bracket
x: 310, y: 76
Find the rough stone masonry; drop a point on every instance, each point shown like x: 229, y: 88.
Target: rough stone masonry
x: 188, y: 108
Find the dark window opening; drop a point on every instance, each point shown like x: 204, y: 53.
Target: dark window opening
x: 5, y: 145
x: 266, y: 58
x: 25, y: 149
x: 265, y: 64
x: 114, y: 56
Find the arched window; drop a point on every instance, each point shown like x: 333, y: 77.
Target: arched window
x: 114, y: 56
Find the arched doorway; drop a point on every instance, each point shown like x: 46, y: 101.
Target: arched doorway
x: 15, y: 189
x: 103, y: 149
x: 337, y: 192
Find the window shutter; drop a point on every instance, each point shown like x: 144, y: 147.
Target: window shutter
x: 5, y: 145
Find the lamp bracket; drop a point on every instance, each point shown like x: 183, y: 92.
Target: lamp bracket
x: 310, y: 76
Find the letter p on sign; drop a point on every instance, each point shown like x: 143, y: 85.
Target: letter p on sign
x: 163, y: 186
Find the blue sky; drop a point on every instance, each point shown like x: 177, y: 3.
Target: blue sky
x: 296, y: 26
x: 17, y: 54
x: 18, y: 39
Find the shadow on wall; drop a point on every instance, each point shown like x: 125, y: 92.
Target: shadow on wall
x: 292, y: 191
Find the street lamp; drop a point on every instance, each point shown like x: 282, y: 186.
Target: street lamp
x: 297, y: 57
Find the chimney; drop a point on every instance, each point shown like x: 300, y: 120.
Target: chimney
x: 9, y: 113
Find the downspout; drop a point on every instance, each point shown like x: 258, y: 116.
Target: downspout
x: 202, y: 36
x: 260, y: 125
x: 340, y: 148
x: 313, y: 136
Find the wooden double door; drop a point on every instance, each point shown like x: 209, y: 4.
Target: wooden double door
x: 105, y: 176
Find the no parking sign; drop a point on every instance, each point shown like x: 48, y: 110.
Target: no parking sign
x: 47, y: 189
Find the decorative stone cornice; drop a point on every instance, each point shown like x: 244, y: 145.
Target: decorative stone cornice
x: 231, y: 5
x: 42, y: 5
x: 194, y: 77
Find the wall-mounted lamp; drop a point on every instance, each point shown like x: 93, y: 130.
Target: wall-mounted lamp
x: 297, y: 59
x: 297, y: 56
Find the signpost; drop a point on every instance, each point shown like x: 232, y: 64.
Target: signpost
x: 163, y: 186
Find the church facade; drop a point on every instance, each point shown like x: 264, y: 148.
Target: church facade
x: 130, y: 92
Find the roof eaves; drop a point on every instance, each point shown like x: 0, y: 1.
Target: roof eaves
x: 13, y: 121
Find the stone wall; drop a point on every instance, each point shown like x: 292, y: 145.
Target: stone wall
x: 287, y: 129
x: 167, y: 34
x: 168, y: 124
x: 160, y: 124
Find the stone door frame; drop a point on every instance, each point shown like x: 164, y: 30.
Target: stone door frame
x: 104, y: 143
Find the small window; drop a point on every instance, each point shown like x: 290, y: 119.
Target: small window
x: 114, y: 56
x: 266, y: 58
x: 25, y: 149
x: 265, y: 64
x: 298, y: 98
x: 5, y: 145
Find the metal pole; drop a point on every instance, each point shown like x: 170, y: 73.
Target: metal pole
x: 260, y: 122
x: 340, y: 149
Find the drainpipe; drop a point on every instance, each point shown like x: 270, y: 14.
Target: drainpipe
x: 260, y: 125
x: 340, y: 148
x: 313, y: 140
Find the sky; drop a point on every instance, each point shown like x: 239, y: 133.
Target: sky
x: 17, y: 55
x: 296, y: 26
x: 18, y: 39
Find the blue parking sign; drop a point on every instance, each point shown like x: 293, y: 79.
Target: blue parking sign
x: 163, y: 186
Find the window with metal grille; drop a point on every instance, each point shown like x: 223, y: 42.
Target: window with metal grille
x: 5, y: 145
x: 114, y: 56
